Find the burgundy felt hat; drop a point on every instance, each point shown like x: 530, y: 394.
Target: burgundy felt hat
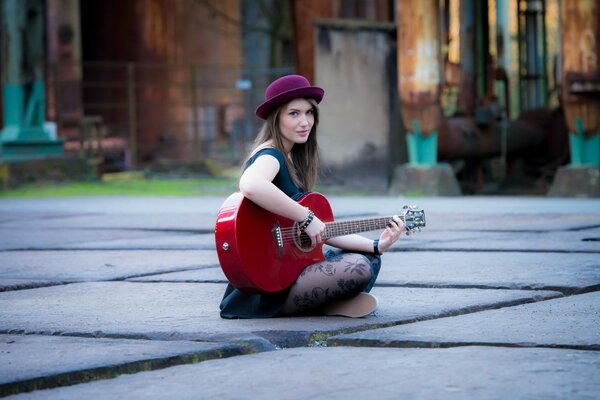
x: 286, y: 89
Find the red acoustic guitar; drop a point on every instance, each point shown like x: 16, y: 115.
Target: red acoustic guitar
x: 263, y: 252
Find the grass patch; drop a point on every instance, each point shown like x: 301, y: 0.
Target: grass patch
x: 135, y: 186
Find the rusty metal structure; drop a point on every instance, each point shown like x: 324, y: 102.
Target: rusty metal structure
x: 581, y: 78
x: 508, y: 86
x: 419, y: 77
x: 24, y: 134
x: 502, y: 108
x: 511, y: 86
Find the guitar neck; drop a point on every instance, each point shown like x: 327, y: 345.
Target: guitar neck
x: 341, y: 228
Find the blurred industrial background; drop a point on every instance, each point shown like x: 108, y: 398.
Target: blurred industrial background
x: 472, y: 96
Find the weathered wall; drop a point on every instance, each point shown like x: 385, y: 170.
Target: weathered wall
x: 304, y: 12
x: 165, y: 38
x: 352, y: 65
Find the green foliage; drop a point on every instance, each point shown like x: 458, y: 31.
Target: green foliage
x: 134, y: 186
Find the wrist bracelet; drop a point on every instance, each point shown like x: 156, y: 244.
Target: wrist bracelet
x: 376, y: 247
x: 304, y: 224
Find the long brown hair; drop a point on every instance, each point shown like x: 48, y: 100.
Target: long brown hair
x: 304, y: 158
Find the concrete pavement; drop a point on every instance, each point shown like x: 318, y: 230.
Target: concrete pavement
x: 118, y: 298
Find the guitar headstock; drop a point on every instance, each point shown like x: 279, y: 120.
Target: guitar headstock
x: 414, y: 218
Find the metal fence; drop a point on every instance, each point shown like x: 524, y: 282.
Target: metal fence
x: 148, y: 112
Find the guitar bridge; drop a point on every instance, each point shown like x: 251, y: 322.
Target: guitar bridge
x: 278, y: 239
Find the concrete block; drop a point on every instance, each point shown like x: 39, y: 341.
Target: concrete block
x: 577, y: 241
x: 99, y: 265
x: 342, y: 373
x: 107, y: 239
x: 576, y: 182
x: 568, y: 273
x: 35, y: 362
x: 514, y: 206
x: 569, y: 322
x: 130, y: 205
x: 190, y: 311
x: 507, y: 221
x: 182, y: 223
x: 153, y: 241
x: 204, y: 275
x: 437, y: 180
x: 19, y: 284
x: 58, y: 238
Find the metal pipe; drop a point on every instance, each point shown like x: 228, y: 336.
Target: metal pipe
x: 460, y: 137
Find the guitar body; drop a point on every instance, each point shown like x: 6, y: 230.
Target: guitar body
x: 260, y: 251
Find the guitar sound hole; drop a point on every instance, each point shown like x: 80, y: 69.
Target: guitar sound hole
x: 303, y: 242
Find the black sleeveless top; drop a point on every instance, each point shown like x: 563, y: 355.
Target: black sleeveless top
x: 283, y: 179
x: 237, y: 304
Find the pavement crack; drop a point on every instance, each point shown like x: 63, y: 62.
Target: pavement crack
x: 143, y: 275
x: 488, y: 250
x: 449, y: 344
x: 112, y: 371
x: 565, y: 290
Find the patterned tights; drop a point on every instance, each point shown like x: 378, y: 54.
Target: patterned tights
x: 337, y: 278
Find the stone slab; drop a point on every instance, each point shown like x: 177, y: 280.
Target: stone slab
x: 568, y: 273
x: 563, y: 241
x: 102, y: 239
x: 90, y: 265
x: 509, y: 222
x: 203, y: 222
x: 569, y: 322
x: 343, y: 373
x: 19, y: 284
x: 566, y: 241
x: 154, y: 241
x: 34, y: 361
x: 342, y: 205
x: 578, y: 240
x: 33, y: 239
x: 155, y: 222
x: 204, y: 275
x: 190, y: 311
x: 11, y: 217
x: 140, y: 205
x: 480, y: 205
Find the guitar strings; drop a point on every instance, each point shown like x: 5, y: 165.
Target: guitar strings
x: 342, y: 228
x: 342, y: 225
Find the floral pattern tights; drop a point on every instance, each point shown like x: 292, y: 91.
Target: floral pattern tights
x: 337, y: 278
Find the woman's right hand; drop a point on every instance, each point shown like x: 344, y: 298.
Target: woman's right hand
x: 315, y: 230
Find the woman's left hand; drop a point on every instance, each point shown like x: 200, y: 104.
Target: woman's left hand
x: 391, y: 234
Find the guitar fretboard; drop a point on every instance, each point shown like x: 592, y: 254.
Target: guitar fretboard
x: 341, y: 228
